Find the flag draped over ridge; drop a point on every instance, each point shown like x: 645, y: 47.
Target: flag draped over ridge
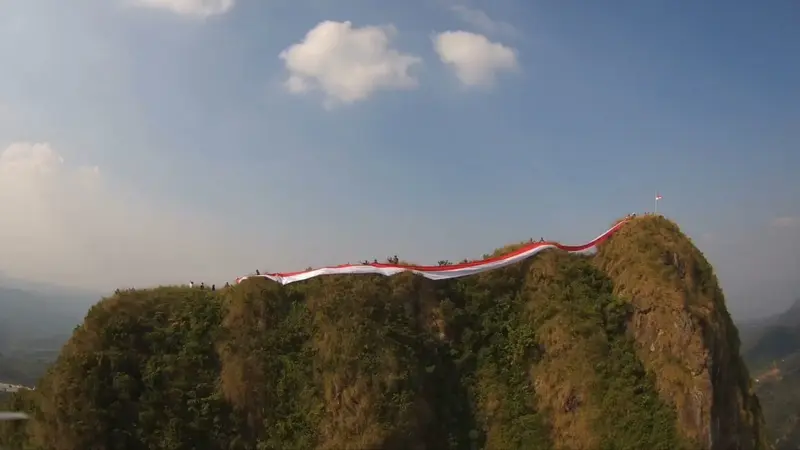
x: 438, y: 272
x: 8, y: 415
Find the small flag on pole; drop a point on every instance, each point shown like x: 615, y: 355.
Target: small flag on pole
x: 658, y: 197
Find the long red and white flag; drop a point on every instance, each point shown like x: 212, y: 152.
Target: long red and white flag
x: 658, y: 196
x: 438, y: 272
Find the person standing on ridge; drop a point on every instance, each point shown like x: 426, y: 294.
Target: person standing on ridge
x: 191, y: 284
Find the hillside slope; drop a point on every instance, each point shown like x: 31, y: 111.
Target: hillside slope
x: 629, y: 349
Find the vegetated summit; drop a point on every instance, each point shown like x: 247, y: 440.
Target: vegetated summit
x: 630, y: 348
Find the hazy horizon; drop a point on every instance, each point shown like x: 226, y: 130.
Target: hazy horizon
x: 160, y: 141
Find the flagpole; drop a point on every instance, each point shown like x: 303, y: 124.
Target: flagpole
x: 655, y: 210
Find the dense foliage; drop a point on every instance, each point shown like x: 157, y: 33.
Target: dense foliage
x: 538, y: 355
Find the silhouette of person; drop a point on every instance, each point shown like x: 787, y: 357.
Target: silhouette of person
x: 213, y: 287
x: 257, y: 272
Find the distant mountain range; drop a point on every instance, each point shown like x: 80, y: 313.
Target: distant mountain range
x: 771, y: 349
x: 36, y: 319
x: 50, y: 290
x: 772, y: 338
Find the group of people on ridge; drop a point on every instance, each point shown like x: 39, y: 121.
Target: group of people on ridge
x: 202, y: 285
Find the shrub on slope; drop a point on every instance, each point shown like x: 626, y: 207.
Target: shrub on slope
x: 265, y: 353
x: 588, y: 364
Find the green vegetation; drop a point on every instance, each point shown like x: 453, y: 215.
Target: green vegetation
x: 549, y: 353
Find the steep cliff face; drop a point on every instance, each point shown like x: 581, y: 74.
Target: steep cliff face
x: 629, y: 349
x: 684, y: 333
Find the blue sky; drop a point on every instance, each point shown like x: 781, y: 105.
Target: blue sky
x: 208, y: 166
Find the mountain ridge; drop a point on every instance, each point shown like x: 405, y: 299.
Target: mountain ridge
x: 629, y: 348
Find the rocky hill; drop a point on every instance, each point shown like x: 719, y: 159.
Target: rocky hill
x: 631, y: 348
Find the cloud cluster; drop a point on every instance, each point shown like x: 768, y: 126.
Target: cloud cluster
x: 68, y: 225
x: 195, y: 8
x: 348, y: 64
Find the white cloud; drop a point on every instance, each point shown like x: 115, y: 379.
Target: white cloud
x: 475, y: 59
x: 786, y: 222
x: 196, y: 8
x: 483, y: 22
x: 348, y: 64
x: 70, y: 225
